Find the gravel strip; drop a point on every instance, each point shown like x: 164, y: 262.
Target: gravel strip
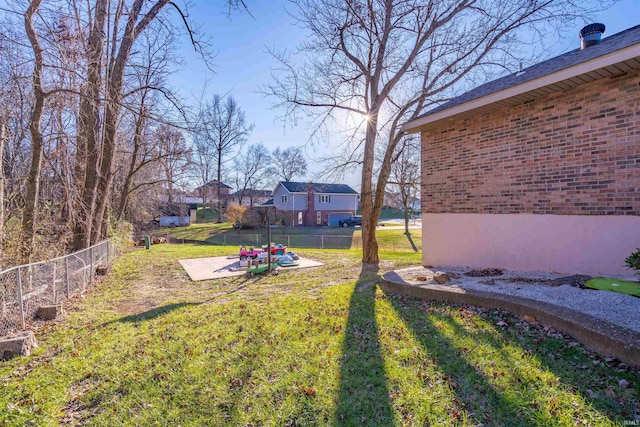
x: 620, y: 309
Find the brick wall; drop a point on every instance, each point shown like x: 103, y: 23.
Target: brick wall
x: 575, y: 152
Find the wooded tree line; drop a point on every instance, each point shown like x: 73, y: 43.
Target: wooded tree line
x: 90, y: 130
x: 83, y: 102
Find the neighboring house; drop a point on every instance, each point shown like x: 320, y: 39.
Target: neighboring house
x: 211, y: 187
x: 539, y: 170
x: 250, y: 197
x: 209, y: 193
x: 310, y: 204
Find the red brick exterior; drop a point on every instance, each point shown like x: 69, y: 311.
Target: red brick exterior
x: 310, y: 218
x: 574, y: 152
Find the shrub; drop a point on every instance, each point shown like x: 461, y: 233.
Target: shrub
x: 236, y: 214
x: 120, y: 232
x: 633, y: 261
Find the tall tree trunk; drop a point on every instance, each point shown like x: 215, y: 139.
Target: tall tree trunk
x: 124, y: 197
x: 114, y: 91
x: 218, y: 193
x: 369, y: 218
x: 88, y: 160
x: 35, y: 130
x: 406, y: 221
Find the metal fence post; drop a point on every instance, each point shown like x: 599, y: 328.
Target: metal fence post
x: 288, y: 240
x: 66, y: 275
x: 257, y: 240
x: 108, y: 249
x: 53, y: 283
x: 322, y: 241
x: 224, y: 239
x: 20, y: 300
x: 91, y: 265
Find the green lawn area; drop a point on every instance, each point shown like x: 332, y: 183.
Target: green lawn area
x: 325, y: 346
x: 315, y: 237
x: 206, y: 215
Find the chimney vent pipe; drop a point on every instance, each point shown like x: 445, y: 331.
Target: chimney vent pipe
x: 591, y: 35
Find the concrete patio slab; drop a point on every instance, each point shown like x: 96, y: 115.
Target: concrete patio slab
x: 227, y: 266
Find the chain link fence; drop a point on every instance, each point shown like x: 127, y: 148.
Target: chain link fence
x: 289, y: 240
x: 25, y: 288
x: 293, y: 241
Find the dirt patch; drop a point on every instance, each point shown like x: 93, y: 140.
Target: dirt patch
x: 485, y: 272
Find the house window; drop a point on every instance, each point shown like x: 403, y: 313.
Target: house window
x: 284, y: 198
x: 325, y: 198
x: 318, y: 217
x: 300, y: 218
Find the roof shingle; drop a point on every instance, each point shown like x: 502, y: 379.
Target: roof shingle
x: 608, y: 45
x: 302, y: 187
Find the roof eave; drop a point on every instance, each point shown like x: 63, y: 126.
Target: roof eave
x: 594, y: 64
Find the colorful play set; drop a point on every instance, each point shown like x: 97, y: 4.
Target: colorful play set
x: 257, y: 260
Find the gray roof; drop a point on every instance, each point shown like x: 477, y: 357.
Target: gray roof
x: 250, y: 192
x: 302, y: 187
x: 214, y: 183
x: 608, y: 45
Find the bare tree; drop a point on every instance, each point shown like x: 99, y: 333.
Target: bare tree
x: 97, y: 127
x: 404, y: 180
x: 35, y: 129
x: 222, y: 127
x: 74, y: 114
x: 173, y: 154
x: 15, y: 116
x: 386, y: 62
x: 252, y: 170
x: 144, y: 141
x: 204, y: 162
x: 289, y: 163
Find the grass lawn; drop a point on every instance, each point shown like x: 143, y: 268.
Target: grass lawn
x: 312, y: 347
x: 206, y: 215
x: 320, y: 237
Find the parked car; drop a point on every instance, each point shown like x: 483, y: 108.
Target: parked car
x: 353, y: 221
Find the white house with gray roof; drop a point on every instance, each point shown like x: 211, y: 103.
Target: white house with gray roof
x: 313, y: 204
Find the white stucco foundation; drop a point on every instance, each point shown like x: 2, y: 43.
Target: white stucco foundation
x: 587, y: 244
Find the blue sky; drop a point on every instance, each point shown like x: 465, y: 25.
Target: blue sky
x: 242, y: 64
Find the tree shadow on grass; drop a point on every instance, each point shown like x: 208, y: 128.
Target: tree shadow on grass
x: 485, y: 403
x: 364, y: 396
x: 153, y: 313
x: 561, y: 358
x: 562, y: 366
